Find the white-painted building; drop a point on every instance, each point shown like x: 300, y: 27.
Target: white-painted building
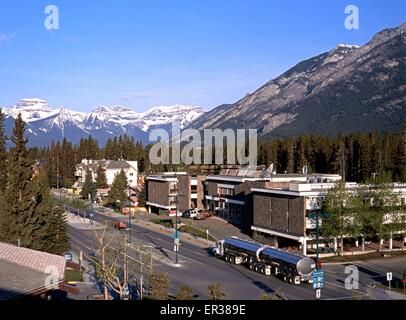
x: 112, y: 168
x: 288, y: 213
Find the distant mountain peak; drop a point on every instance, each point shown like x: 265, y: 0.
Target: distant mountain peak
x: 45, y: 124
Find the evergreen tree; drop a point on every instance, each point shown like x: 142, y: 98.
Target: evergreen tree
x: 101, y: 180
x: 19, y: 223
x: 53, y: 235
x: 88, y: 187
x: 142, y: 196
x: 118, y: 194
x: 402, y: 156
x: 3, y: 154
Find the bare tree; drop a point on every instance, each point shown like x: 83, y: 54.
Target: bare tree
x: 215, y: 293
x: 111, y: 264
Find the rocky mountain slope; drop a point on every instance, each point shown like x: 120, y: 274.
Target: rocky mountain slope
x: 348, y: 89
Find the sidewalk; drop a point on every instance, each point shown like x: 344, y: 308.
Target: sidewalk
x: 144, y: 223
x: 89, y: 286
x: 80, y: 223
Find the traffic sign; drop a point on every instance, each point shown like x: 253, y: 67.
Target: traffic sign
x: 318, y: 279
x: 175, y: 248
x: 176, y: 236
x: 177, y: 242
x: 389, y: 276
x: 318, y: 293
x: 68, y: 256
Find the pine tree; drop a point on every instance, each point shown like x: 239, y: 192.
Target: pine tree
x: 101, y: 180
x: 118, y: 194
x: 3, y: 154
x: 142, y: 196
x: 88, y: 187
x: 53, y: 235
x: 402, y: 156
x: 19, y: 224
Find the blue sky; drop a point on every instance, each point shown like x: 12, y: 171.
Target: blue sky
x: 155, y: 52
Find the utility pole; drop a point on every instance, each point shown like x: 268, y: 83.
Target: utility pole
x: 129, y: 213
x: 176, y: 242
x: 317, y: 241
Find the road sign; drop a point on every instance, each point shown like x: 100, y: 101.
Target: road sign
x: 318, y: 293
x: 389, y: 276
x: 68, y: 256
x: 318, y: 279
x: 175, y: 236
x: 177, y: 242
x: 175, y: 248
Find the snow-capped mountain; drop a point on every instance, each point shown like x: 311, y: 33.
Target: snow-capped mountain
x: 45, y: 124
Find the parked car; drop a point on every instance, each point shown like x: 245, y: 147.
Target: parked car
x: 178, y: 213
x: 119, y: 224
x: 191, y: 213
x: 203, y: 215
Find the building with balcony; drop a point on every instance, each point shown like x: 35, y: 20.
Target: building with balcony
x: 112, y: 168
x: 286, y: 217
x: 189, y: 188
x: 229, y: 193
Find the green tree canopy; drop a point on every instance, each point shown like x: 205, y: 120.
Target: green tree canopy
x: 101, y: 180
x: 118, y: 194
x: 18, y: 221
x: 341, y: 206
x: 89, y: 186
x: 3, y: 154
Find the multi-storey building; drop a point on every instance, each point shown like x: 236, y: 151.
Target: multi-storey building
x: 229, y: 193
x: 112, y: 168
x: 286, y: 216
x: 162, y: 188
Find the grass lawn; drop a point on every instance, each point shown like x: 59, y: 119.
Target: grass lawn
x: 73, y: 275
x: 363, y: 257
x: 169, y: 223
x: 196, y: 232
x: 400, y: 289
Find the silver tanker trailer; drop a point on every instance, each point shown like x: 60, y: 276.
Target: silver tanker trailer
x: 292, y: 268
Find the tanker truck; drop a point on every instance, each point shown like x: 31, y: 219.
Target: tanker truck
x: 290, y: 267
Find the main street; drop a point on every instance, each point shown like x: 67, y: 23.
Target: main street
x: 198, y: 269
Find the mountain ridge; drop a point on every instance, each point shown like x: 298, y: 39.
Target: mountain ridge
x: 315, y: 95
x: 45, y: 124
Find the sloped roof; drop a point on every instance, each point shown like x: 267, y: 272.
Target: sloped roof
x: 27, y: 264
x: 17, y: 281
x: 118, y: 165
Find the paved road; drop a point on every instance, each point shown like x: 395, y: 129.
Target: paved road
x: 198, y: 269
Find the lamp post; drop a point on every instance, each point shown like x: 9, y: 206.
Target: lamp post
x: 317, y: 240
x: 129, y: 213
x: 91, y: 209
x: 176, y: 199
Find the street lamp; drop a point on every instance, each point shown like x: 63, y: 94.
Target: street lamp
x: 91, y: 209
x: 129, y: 213
x: 175, y: 198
